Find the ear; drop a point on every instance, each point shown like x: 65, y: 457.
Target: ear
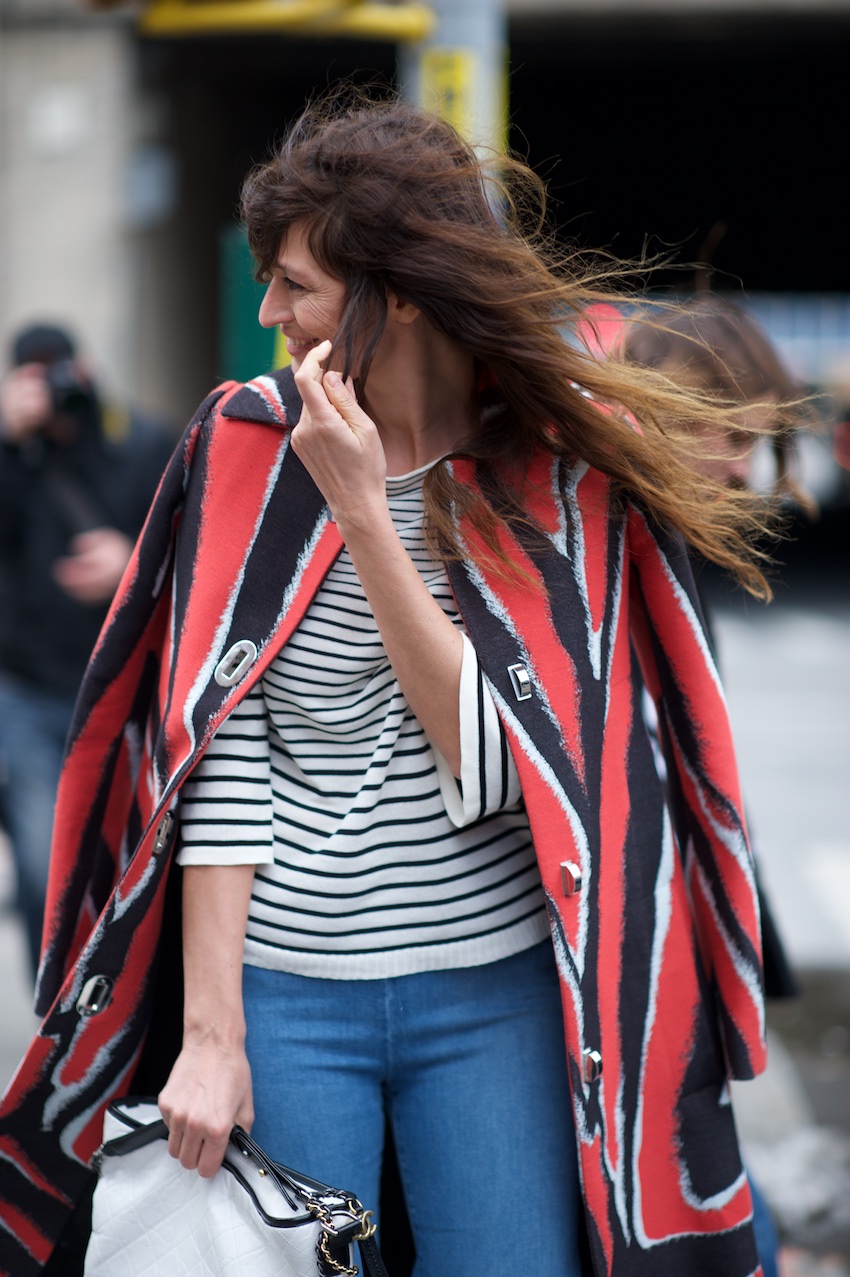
x: 401, y: 311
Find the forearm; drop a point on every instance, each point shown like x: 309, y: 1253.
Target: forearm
x: 215, y: 914
x: 209, y: 1088
x: 424, y: 647
x: 340, y: 446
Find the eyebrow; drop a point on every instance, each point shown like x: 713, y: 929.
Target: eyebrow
x: 297, y: 276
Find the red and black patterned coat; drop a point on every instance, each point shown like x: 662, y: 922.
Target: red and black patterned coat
x: 652, y: 903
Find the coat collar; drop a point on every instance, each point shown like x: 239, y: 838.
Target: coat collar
x: 270, y: 400
x: 260, y: 541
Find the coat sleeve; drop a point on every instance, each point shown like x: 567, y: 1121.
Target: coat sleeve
x: 98, y: 814
x: 702, y: 784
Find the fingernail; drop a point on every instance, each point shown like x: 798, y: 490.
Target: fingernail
x: 333, y: 379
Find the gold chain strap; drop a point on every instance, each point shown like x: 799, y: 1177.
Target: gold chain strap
x: 332, y: 1263
x: 367, y: 1230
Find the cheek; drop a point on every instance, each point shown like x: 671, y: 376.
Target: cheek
x: 326, y: 318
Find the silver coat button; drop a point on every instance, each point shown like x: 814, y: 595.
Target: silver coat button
x: 163, y: 830
x: 570, y: 877
x: 520, y: 682
x: 235, y: 663
x: 591, y: 1065
x: 96, y: 995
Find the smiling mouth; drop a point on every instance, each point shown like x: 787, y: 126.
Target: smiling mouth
x: 300, y: 343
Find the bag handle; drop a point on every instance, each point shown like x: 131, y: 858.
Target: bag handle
x: 144, y: 1133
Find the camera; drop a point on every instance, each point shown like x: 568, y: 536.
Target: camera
x: 69, y: 392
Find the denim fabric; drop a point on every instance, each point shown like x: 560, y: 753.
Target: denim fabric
x: 469, y: 1066
x: 767, y: 1236
x: 33, y: 728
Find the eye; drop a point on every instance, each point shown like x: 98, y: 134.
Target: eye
x: 291, y: 284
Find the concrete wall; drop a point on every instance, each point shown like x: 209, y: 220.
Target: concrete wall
x: 98, y: 229
x: 65, y: 128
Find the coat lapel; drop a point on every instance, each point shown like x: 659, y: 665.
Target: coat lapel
x: 256, y: 543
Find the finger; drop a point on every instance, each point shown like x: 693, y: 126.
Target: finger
x: 75, y: 571
x: 176, y: 1134
x: 191, y: 1150
x: 311, y: 366
x: 87, y: 540
x: 211, y: 1156
x: 342, y: 397
x: 334, y: 384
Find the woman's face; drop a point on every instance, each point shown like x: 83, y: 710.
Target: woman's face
x: 301, y: 299
x: 730, y: 452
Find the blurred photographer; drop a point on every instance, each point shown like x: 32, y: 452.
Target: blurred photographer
x: 76, y: 479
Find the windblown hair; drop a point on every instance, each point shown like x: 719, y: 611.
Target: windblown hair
x: 714, y: 345
x: 395, y: 202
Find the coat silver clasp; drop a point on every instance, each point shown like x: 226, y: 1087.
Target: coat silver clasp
x: 520, y: 682
x: 95, y: 996
x: 235, y: 663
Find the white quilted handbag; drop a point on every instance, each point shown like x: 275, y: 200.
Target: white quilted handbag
x: 152, y: 1218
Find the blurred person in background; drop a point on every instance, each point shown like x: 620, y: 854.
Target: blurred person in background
x: 716, y: 347
x: 77, y: 476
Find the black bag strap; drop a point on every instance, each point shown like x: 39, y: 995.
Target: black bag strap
x: 373, y: 1264
x: 139, y: 1137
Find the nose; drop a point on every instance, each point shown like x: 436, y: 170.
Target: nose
x: 738, y: 471
x: 274, y: 308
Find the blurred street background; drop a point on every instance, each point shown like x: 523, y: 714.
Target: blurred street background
x: 788, y: 683
x: 707, y: 130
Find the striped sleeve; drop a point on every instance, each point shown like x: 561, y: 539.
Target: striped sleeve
x: 488, y: 777
x: 226, y: 812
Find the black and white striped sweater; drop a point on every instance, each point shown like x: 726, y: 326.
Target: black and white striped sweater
x: 372, y: 860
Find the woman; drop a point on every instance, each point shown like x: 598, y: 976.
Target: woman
x: 407, y: 753
x: 711, y: 343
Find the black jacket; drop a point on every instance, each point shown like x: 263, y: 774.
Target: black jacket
x: 49, y: 493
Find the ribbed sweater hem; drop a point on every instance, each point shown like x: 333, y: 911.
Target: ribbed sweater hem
x: 473, y: 952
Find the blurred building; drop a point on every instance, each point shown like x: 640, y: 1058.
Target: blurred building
x: 121, y: 158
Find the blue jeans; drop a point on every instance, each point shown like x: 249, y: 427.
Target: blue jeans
x: 33, y: 728
x: 468, y: 1065
x: 767, y: 1236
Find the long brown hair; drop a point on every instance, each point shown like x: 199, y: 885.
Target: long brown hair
x: 396, y: 202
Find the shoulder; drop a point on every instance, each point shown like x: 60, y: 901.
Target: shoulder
x: 221, y: 418
x: 270, y: 399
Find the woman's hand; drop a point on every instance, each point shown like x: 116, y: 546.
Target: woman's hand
x: 209, y: 1089
x: 339, y: 444
x: 25, y: 404
x: 93, y: 569
x: 206, y: 1095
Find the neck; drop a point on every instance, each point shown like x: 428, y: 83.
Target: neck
x: 421, y: 394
